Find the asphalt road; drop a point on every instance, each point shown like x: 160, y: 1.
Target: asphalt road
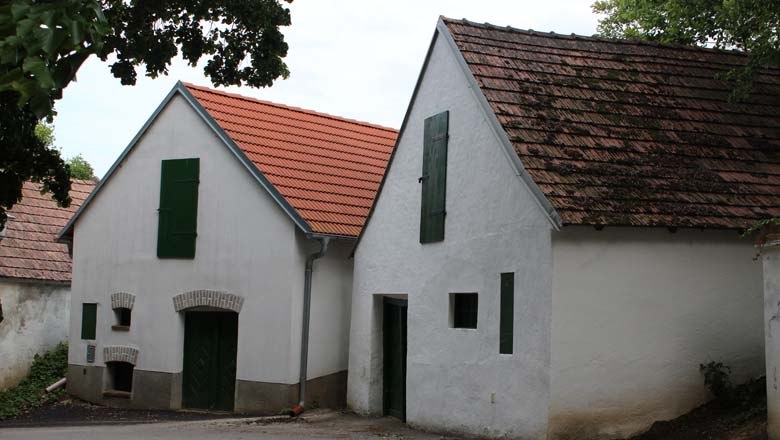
x: 317, y: 425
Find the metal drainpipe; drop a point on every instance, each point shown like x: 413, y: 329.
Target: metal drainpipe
x: 305, y: 327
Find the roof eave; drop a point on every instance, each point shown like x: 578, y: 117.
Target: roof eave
x: 543, y: 202
x: 397, y: 139
x: 299, y: 221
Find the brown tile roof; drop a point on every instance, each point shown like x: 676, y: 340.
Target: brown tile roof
x: 630, y: 133
x: 28, y: 249
x: 327, y: 168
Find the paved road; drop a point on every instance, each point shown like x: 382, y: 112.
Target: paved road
x: 318, y: 425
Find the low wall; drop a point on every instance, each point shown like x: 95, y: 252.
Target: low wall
x: 35, y: 319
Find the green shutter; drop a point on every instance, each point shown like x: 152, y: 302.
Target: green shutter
x: 434, y: 178
x: 178, y: 213
x: 88, y: 320
x: 506, y: 325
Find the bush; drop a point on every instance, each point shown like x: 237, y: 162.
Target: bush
x: 30, y: 393
x: 717, y: 379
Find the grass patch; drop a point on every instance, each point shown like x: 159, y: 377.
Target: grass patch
x: 30, y: 393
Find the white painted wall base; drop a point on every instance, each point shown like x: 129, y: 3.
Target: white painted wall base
x: 36, y: 319
x: 771, y: 260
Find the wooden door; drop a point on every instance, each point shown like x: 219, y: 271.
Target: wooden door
x: 209, y: 377
x: 394, y: 341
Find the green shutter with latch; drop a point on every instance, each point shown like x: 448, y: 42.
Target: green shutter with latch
x: 506, y: 324
x: 434, y: 178
x: 88, y: 320
x: 178, y: 213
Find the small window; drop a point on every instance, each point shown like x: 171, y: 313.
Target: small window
x: 122, y: 317
x: 88, y: 320
x: 120, y: 376
x: 507, y: 313
x: 463, y: 310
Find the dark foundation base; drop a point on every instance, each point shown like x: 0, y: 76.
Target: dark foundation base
x: 151, y: 389
x: 155, y: 390
x: 271, y: 398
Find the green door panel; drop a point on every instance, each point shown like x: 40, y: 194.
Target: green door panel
x: 394, y: 341
x: 210, y: 347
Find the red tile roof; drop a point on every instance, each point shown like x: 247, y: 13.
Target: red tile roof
x: 327, y: 168
x: 630, y: 133
x: 28, y: 249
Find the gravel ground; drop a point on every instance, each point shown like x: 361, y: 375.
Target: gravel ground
x: 75, y: 412
x: 317, y: 424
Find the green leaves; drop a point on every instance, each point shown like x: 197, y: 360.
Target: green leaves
x: 30, y: 394
x: 241, y: 38
x: 80, y: 168
x: 42, y: 44
x: 749, y: 25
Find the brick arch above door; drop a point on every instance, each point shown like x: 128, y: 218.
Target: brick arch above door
x: 208, y: 298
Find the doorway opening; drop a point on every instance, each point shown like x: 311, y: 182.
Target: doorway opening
x: 394, y: 357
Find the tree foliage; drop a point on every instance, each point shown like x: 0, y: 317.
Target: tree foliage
x: 749, y: 25
x: 44, y: 42
x: 24, y: 156
x: 80, y: 168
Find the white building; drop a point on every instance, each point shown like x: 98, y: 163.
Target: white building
x: 555, y: 247
x: 34, y: 279
x: 189, y: 258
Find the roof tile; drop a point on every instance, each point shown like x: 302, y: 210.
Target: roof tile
x: 28, y: 247
x: 621, y: 132
x: 327, y: 168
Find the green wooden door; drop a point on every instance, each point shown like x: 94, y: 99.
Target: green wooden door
x: 209, y: 377
x: 394, y: 341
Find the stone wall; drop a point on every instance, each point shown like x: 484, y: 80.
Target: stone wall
x: 35, y: 320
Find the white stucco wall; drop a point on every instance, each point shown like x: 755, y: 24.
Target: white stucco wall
x: 330, y: 304
x: 771, y: 264
x: 635, y: 311
x: 456, y: 379
x: 246, y: 246
x: 35, y: 320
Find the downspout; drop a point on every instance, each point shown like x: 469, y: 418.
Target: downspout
x: 305, y: 327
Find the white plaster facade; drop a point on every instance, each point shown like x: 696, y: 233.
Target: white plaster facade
x: 635, y: 311
x: 609, y: 327
x: 35, y: 320
x: 246, y: 246
x: 456, y: 379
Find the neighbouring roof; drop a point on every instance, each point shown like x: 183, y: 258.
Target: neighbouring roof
x: 28, y: 246
x: 322, y: 170
x: 326, y: 167
x: 631, y: 133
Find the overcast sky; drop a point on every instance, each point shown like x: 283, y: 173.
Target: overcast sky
x: 353, y: 58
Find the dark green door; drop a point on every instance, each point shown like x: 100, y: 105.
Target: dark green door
x: 210, y: 341
x: 394, y: 341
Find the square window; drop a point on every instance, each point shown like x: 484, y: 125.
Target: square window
x: 463, y: 310
x: 123, y: 316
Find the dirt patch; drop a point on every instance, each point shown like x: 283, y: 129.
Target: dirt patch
x: 718, y: 420
x: 69, y: 411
